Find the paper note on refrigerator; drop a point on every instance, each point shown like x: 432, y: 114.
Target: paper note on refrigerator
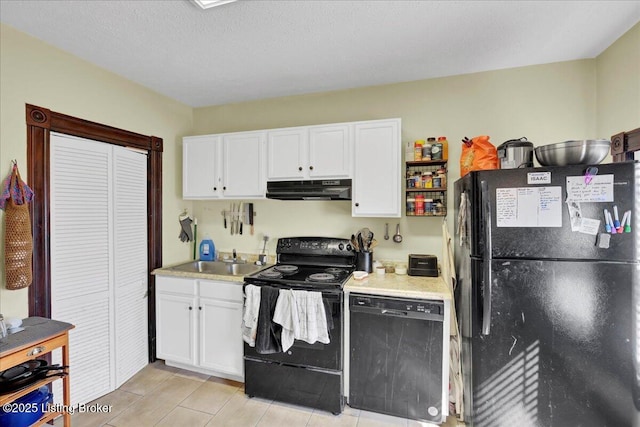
x: 599, y: 189
x: 529, y: 207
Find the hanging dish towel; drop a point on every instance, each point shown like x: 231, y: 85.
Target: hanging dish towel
x: 449, y: 276
x: 302, y: 316
x: 250, y: 314
x: 18, y: 241
x: 268, y: 339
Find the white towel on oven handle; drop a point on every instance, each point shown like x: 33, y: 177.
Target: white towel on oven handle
x: 250, y: 314
x: 302, y: 316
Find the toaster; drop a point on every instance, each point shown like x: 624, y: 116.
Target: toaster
x: 422, y: 265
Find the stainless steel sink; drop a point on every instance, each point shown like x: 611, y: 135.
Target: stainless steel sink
x: 218, y: 267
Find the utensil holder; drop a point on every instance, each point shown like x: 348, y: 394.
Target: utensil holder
x: 364, y: 261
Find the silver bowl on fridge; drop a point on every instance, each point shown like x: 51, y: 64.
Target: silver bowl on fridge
x: 575, y: 152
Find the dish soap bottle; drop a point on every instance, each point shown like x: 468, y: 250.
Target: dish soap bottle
x: 207, y: 250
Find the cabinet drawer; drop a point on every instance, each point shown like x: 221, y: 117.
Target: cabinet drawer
x: 175, y: 285
x: 34, y: 351
x: 230, y: 291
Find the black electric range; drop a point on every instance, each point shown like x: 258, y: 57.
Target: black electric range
x: 312, y: 263
x: 306, y: 374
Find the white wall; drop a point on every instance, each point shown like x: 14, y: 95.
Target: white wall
x: 35, y: 73
x: 618, y: 85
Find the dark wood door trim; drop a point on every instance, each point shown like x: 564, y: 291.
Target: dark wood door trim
x: 40, y: 123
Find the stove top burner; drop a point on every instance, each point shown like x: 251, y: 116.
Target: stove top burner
x: 271, y: 274
x: 285, y: 268
x: 321, y: 277
x: 334, y: 270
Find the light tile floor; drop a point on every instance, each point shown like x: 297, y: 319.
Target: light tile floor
x: 160, y: 395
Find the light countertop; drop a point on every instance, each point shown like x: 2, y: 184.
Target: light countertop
x: 391, y: 284
x: 166, y: 271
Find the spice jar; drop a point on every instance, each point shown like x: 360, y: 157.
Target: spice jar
x: 442, y: 173
x: 436, y: 151
x: 419, y: 204
x: 445, y: 147
x: 411, y: 206
x: 428, y: 206
x: 427, y: 180
x: 417, y: 177
x: 417, y: 152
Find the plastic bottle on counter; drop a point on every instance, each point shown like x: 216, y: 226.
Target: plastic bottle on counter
x: 207, y: 250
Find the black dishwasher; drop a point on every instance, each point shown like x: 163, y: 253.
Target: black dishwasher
x: 396, y: 356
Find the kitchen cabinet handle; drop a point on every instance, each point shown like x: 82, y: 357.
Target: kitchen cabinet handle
x: 224, y: 188
x: 215, y: 188
x: 199, y: 308
x: 310, y: 167
x: 299, y: 168
x: 190, y: 308
x: 486, y: 302
x: 357, y: 204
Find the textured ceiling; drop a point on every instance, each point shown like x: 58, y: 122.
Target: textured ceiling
x: 255, y: 49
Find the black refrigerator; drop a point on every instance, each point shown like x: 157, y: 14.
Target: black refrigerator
x: 549, y: 300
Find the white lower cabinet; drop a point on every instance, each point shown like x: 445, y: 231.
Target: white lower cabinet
x: 198, y: 325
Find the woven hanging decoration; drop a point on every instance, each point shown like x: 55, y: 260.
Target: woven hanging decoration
x: 18, y: 241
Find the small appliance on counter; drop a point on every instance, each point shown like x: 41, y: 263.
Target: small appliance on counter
x: 515, y: 153
x: 423, y: 265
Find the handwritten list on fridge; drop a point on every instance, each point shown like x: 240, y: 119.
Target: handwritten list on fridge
x: 529, y: 207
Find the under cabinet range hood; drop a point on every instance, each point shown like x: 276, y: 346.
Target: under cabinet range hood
x: 317, y: 189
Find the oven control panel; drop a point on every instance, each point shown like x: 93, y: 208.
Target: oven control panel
x: 314, y: 246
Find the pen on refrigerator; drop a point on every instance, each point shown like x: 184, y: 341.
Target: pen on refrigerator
x: 613, y: 228
x: 616, y: 219
x: 625, y: 218
x: 627, y: 225
x: 607, y: 225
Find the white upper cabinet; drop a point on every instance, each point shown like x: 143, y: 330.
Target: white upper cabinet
x: 330, y: 151
x: 201, y: 167
x: 243, y: 165
x: 376, y: 183
x: 310, y: 152
x: 224, y: 166
x: 287, y: 153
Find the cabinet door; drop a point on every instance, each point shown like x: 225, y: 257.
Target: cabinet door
x: 175, y: 328
x: 287, y: 154
x: 200, y: 167
x: 221, y: 347
x: 376, y: 184
x: 243, y: 164
x: 330, y: 151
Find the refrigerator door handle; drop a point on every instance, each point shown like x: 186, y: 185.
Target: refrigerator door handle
x: 486, y: 297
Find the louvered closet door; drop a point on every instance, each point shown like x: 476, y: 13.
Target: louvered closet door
x: 130, y: 254
x: 99, y: 261
x: 81, y: 265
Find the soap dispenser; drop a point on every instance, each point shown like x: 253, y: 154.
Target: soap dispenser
x: 207, y: 250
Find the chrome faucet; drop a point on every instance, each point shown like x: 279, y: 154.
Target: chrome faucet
x: 235, y: 256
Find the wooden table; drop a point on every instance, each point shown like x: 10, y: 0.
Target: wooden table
x: 40, y: 336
